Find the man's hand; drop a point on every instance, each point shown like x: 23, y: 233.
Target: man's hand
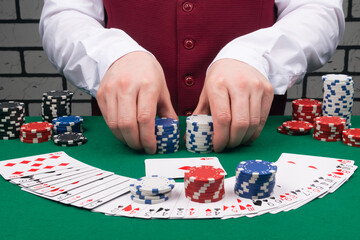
x: 130, y: 95
x: 239, y: 99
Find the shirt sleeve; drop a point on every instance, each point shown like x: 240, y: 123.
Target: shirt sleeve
x: 303, y: 38
x: 77, y: 43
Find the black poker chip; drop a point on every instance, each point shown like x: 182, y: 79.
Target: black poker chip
x: 69, y: 139
x: 10, y: 107
x: 58, y: 94
x: 55, y: 104
x: 12, y: 116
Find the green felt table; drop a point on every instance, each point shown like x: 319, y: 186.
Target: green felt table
x: 26, y: 216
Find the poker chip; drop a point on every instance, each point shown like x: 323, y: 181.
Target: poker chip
x: 68, y: 124
x: 151, y: 190
x: 12, y: 116
x: 167, y: 135
x: 338, y: 96
x: 306, y: 109
x: 351, y: 137
x: 199, y: 133
x: 69, y: 139
x: 204, y: 184
x: 255, y: 179
x: 35, y: 132
x: 328, y: 128
x: 56, y: 104
x: 295, y: 128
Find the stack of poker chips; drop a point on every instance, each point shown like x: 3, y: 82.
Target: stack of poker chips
x: 328, y: 129
x: 255, y: 179
x: 204, y: 184
x: 12, y: 116
x: 306, y: 109
x: 167, y: 135
x: 199, y: 133
x: 56, y: 104
x: 69, y: 139
x: 67, y: 124
x: 35, y: 132
x: 338, y: 96
x: 295, y: 127
x: 151, y: 190
x: 351, y: 137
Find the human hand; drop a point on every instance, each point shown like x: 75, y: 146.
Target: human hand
x: 239, y: 99
x: 131, y: 93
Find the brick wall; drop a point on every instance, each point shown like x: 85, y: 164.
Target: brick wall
x: 25, y: 72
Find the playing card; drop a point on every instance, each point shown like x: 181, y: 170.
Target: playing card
x: 168, y: 206
x: 181, y: 204
x: 22, y: 167
x: 176, y: 167
x: 114, y: 206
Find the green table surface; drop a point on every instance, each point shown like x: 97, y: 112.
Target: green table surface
x: 26, y: 216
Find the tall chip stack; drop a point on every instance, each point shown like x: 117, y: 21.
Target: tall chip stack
x: 55, y: 104
x: 306, y: 109
x: 167, y: 135
x: 255, y: 179
x: 204, y: 184
x: 338, y: 96
x: 199, y: 133
x: 12, y: 116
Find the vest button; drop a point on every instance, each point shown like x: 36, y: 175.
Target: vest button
x: 189, y: 43
x: 189, y: 80
x: 188, y: 113
x: 187, y: 6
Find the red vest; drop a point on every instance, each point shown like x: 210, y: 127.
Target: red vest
x: 185, y: 36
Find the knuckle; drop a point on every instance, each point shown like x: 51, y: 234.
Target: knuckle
x: 254, y: 121
x: 124, y: 124
x: 223, y: 118
x: 144, y: 117
x: 241, y: 123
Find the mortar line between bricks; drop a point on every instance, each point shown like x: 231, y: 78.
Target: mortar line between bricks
x: 17, y: 7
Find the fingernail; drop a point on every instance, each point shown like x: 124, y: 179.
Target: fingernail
x: 149, y: 150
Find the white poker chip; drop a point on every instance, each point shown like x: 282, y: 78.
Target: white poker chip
x: 143, y: 201
x: 154, y: 184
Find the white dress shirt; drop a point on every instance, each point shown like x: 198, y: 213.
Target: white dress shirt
x: 303, y: 39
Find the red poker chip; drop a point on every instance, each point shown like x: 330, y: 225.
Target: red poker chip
x: 351, y: 144
x: 204, y: 195
x: 306, y: 102
x: 198, y: 187
x: 192, y: 189
x: 35, y: 135
x: 352, y: 133
x: 282, y: 130
x: 34, y: 140
x: 206, y: 200
x: 327, y: 136
x: 297, y: 126
x: 36, y: 127
x: 348, y: 140
x: 327, y: 139
x: 205, y: 174
x: 330, y: 121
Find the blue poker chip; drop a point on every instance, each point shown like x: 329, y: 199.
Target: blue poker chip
x: 257, y: 196
x: 166, y: 122
x: 256, y: 167
x: 154, y: 184
x: 67, y: 120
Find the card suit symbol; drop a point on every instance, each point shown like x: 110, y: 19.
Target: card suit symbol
x: 208, y: 210
x: 16, y: 173
x: 61, y: 190
x: 90, y: 200
x: 272, y: 198
x: 238, y: 200
x: 287, y: 194
x: 167, y: 209
x: 338, y: 173
x: 312, y: 167
x: 257, y: 202
x: 293, y: 192
x: 321, y: 178
x: 9, y: 164
x: 192, y: 209
x: 24, y: 162
x: 282, y: 196
x: 36, y: 165
x: 49, y: 167
x: 185, y: 168
x: 54, y: 157
x: 159, y: 210
x: 202, y: 158
x: 242, y: 207
x: 291, y: 162
x: 329, y: 175
x: 225, y: 207
x: 136, y: 209
x: 54, y: 190
x: 127, y: 209
x: 75, y: 182
x: 99, y: 174
x: 64, y: 164
x: 40, y: 159
x: 33, y: 170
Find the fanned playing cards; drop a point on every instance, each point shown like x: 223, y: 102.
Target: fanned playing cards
x: 61, y: 178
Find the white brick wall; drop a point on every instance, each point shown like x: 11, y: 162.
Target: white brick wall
x: 25, y: 72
